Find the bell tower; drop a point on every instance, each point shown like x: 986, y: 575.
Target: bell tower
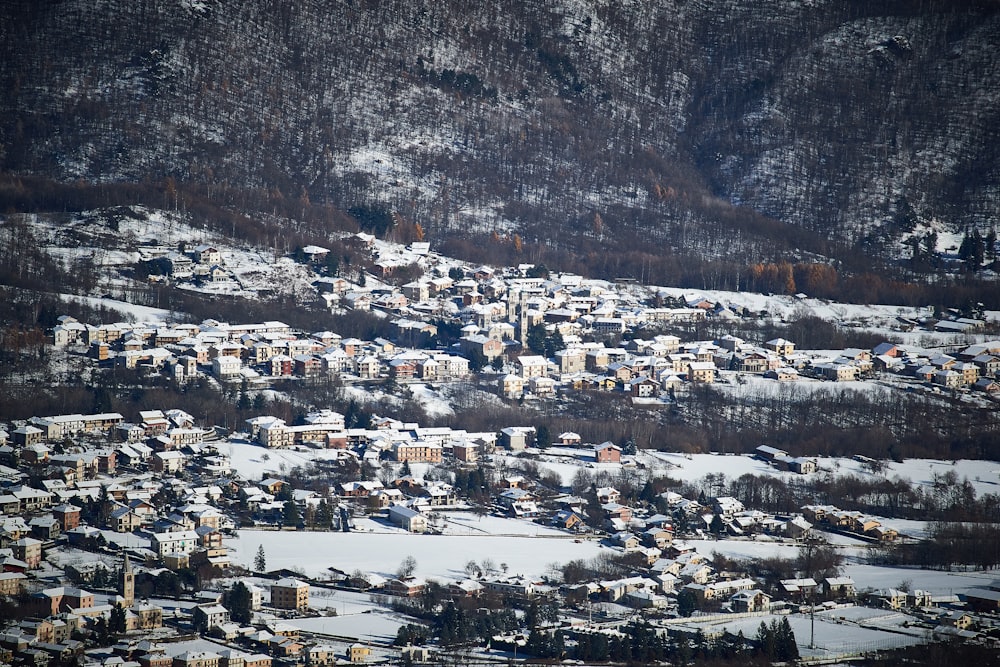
x: 126, y: 583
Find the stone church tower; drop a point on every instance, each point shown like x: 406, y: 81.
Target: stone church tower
x: 126, y: 583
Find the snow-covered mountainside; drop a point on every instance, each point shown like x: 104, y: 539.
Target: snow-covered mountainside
x: 570, y: 121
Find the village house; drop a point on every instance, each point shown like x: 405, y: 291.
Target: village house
x: 780, y: 346
x: 891, y: 598
x: 44, y: 528
x: 288, y: 593
x: 516, y: 438
x: 837, y: 372
x: 29, y: 550
x: 750, y: 601
x: 11, y: 583
x: 358, y: 653
x: 407, y: 518
x: 532, y: 366
x: 181, y: 541
x: 210, y: 616
x: 68, y: 516
x: 408, y: 587
x: 420, y: 452
x: 607, y: 452
x: 168, y: 463
x: 701, y: 372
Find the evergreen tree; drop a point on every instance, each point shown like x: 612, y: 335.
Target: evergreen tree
x: 554, y: 343
x: 117, y: 625
x: 290, y: 513
x: 595, y: 513
x: 100, y: 578
x: 537, y: 643
x: 766, y: 641
x: 240, y: 603
x: 600, y: 648
x: 260, y: 560
x: 536, y: 339
x: 477, y: 360
x: 930, y: 243
x: 324, y: 516
x: 686, y: 603
x: 558, y: 645
x: 717, y: 526
x: 785, y: 646
x: 684, y: 653
x: 101, y: 631
x: 243, y: 403
x: 531, y: 616
x: 104, y: 506
x: 619, y: 649
x: 973, y: 250
x: 543, y: 437
x: 648, y: 493
x: 332, y: 264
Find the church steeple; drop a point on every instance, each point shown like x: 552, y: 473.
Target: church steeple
x: 126, y: 583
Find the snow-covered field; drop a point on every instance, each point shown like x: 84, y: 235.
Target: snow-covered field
x: 431, y: 401
x: 466, y: 523
x: 379, y: 626
x: 937, y: 582
x: 865, y: 576
x: 441, y: 557
x: 135, y: 312
x: 254, y: 462
x: 984, y: 475
x: 757, y: 386
x: 868, y: 316
x: 832, y: 635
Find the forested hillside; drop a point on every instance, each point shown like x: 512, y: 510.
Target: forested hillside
x: 731, y: 132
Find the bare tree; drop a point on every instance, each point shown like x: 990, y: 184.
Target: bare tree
x: 406, y: 568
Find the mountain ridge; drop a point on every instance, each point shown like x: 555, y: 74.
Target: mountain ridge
x: 674, y: 123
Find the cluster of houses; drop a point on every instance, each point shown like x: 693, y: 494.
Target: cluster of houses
x: 202, y: 263
x: 498, y: 307
x: 385, y: 438
x: 833, y: 518
x: 98, y: 484
x: 665, y: 567
x: 96, y: 495
x: 976, y: 366
x: 783, y: 461
x: 168, y: 485
x: 644, y: 368
x: 58, y: 614
x: 61, y: 615
x: 254, y: 353
x: 495, y: 311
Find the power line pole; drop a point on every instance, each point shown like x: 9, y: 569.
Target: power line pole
x: 810, y: 543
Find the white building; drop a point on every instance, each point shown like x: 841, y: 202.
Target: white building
x: 225, y: 367
x: 181, y: 541
x: 407, y: 518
